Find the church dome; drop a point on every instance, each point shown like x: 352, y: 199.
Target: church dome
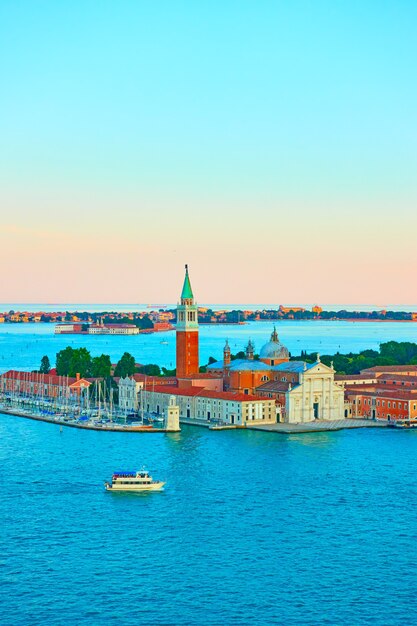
x: 274, y: 349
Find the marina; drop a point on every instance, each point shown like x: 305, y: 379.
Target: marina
x: 71, y: 415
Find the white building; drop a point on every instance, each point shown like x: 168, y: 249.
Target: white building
x: 113, y: 329
x: 306, y: 392
x: 128, y: 393
x: 204, y: 405
x: 130, y: 386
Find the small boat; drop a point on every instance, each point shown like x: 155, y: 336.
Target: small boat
x: 134, y: 480
x: 407, y: 423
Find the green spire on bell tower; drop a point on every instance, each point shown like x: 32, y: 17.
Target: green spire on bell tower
x: 187, y: 292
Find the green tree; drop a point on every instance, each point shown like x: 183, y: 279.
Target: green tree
x: 80, y: 363
x: 70, y: 362
x: 101, y: 366
x: 45, y: 367
x: 144, y: 322
x: 126, y: 366
x: 402, y: 351
x: 150, y: 370
x: 63, y: 361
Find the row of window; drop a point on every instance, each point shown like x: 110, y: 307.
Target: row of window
x: 394, y: 404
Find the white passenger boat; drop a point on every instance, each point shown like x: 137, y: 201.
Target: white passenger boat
x: 134, y: 480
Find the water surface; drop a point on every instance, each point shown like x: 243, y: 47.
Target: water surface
x: 253, y: 528
x: 23, y: 345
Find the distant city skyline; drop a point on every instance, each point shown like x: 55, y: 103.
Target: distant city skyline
x: 269, y: 145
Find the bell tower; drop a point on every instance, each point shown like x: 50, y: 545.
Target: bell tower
x: 250, y: 348
x: 187, y: 332
x: 226, y: 354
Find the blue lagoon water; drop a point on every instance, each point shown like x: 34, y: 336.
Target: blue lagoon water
x: 23, y: 345
x: 252, y: 528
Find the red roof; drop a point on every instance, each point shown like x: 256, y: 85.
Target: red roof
x: 396, y: 394
x: 206, y: 393
x: 388, y: 369
x: 411, y: 380
x: 35, y: 377
x: 274, y: 386
x: 201, y: 376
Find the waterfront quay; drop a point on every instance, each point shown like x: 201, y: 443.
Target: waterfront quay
x: 70, y: 414
x: 146, y: 426
x: 320, y: 426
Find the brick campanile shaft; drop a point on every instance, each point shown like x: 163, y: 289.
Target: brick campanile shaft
x: 187, y: 331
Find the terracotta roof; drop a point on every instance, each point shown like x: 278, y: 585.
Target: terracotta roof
x: 202, y: 376
x: 274, y: 385
x: 396, y: 394
x: 400, y: 377
x: 390, y: 369
x: 81, y: 382
x: 206, y: 393
x: 35, y: 377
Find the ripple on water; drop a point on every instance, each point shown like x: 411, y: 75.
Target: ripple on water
x: 316, y: 529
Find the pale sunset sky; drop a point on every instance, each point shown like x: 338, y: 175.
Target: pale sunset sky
x: 271, y: 145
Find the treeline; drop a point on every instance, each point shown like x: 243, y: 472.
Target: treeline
x: 236, y: 315
x: 389, y: 353
x: 73, y: 361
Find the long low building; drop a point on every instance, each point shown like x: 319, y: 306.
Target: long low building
x: 383, y: 392
x: 113, y: 329
x: 386, y: 404
x: 205, y: 405
x: 41, y: 385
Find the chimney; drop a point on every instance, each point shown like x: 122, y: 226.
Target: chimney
x: 77, y: 376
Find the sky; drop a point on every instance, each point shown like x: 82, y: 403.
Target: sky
x: 271, y: 145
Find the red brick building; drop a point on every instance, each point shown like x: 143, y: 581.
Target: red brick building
x: 187, y: 332
x: 41, y: 385
x: 386, y: 404
x: 386, y: 392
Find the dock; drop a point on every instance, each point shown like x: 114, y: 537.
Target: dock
x: 318, y: 426
x: 289, y: 429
